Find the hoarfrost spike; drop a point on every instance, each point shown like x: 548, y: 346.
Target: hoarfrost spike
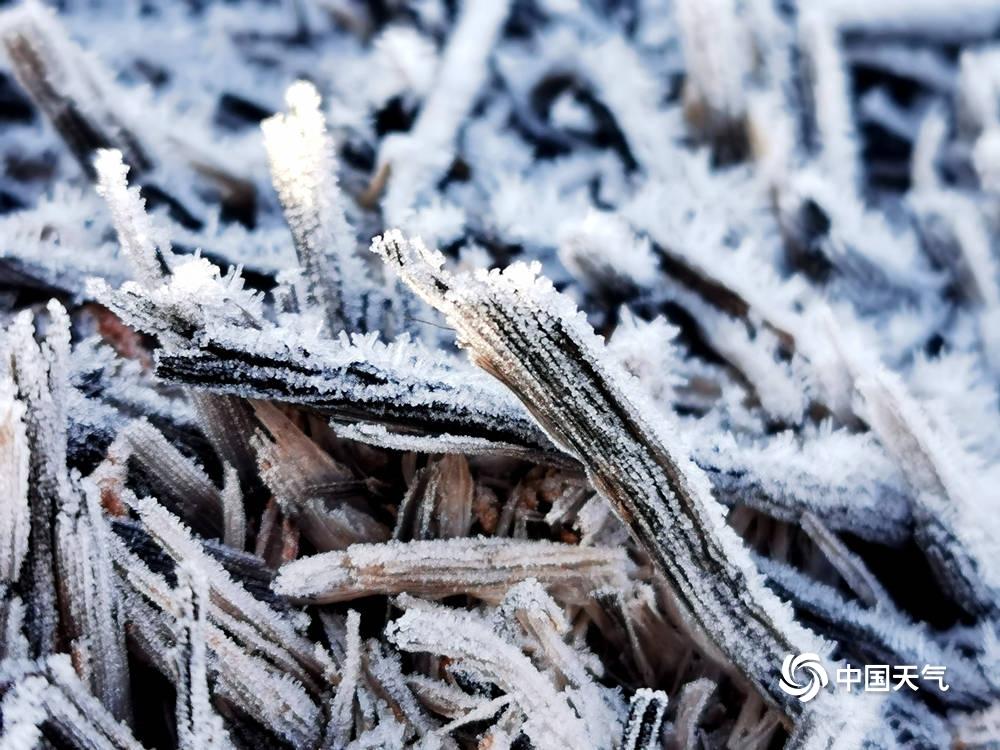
x: 516, y: 327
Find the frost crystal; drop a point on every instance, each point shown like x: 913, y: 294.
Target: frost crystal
x: 485, y: 568
x: 519, y: 329
x: 135, y: 231
x: 14, y: 485
x: 303, y: 169
x: 551, y: 721
x: 726, y: 278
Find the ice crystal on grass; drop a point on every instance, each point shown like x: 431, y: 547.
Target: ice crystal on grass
x: 519, y: 329
x: 304, y: 174
x: 485, y: 568
x: 550, y: 720
x: 75, y: 92
x: 645, y: 716
x: 15, y: 463
x: 414, y: 161
x: 198, y: 726
x: 93, y: 617
x: 135, y: 231
x: 726, y: 278
x: 175, y: 478
x: 49, y: 693
x: 962, y: 550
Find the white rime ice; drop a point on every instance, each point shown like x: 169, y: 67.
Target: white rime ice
x: 234, y: 519
x: 198, y: 725
x: 963, y: 548
x: 14, y: 450
x: 50, y: 691
x: 174, y: 476
x: 551, y: 722
x: 517, y: 327
x: 94, y: 617
x: 727, y: 281
x: 142, y: 245
x: 260, y: 620
x: 339, y: 728
x: 415, y: 160
x: 304, y: 172
x: 485, y: 568
x: 645, y: 716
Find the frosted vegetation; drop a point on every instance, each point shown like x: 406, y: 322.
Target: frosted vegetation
x: 497, y: 375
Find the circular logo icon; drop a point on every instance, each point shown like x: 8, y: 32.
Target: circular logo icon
x: 803, y: 676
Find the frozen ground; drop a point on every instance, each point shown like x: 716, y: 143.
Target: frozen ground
x: 532, y: 374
